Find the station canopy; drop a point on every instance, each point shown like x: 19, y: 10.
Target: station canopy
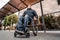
x: 15, y: 5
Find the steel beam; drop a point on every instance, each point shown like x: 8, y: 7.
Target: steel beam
x: 8, y: 10
x: 24, y: 3
x: 14, y: 6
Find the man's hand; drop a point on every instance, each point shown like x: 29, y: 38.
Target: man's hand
x: 35, y: 18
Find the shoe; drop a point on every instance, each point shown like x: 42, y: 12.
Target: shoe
x: 20, y: 31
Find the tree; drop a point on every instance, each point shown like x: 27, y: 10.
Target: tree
x: 49, y: 21
x: 11, y: 19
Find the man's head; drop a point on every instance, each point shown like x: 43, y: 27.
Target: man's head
x: 29, y: 6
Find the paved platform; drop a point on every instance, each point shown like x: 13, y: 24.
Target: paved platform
x: 49, y: 35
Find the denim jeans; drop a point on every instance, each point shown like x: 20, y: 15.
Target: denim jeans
x: 23, y: 20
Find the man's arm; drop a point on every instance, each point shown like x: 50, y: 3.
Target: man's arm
x: 24, y: 14
x: 35, y: 14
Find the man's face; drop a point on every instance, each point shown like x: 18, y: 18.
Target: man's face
x: 29, y: 6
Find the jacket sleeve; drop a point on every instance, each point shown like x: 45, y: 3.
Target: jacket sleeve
x: 24, y: 14
x: 35, y: 14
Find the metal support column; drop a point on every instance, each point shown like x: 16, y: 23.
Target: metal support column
x: 43, y: 22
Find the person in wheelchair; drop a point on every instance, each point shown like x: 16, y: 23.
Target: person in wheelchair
x: 27, y: 16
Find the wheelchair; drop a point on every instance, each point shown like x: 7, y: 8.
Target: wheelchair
x: 27, y: 33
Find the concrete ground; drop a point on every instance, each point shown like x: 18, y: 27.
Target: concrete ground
x: 49, y: 35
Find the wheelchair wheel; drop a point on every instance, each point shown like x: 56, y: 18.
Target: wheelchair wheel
x: 35, y: 31
x: 35, y: 28
x: 15, y: 34
x: 27, y: 35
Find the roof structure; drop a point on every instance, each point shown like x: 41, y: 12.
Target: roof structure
x: 15, y: 5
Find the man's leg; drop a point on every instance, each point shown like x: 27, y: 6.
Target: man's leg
x: 20, y: 24
x: 26, y: 20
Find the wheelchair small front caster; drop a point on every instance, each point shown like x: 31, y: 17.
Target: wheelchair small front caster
x: 35, y: 34
x: 15, y: 34
x: 27, y: 35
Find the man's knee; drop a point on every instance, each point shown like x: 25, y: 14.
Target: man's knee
x: 20, y: 17
x: 26, y: 17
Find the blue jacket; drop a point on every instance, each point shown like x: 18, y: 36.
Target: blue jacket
x: 31, y: 13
